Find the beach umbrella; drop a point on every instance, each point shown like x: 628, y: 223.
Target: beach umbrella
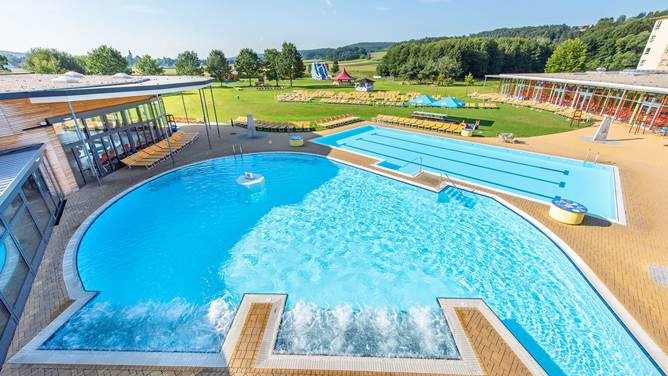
x: 422, y: 100
x: 448, y: 102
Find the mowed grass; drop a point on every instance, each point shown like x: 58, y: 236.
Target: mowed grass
x: 237, y: 99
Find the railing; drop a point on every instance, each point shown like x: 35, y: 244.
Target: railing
x: 413, y: 162
x: 443, y: 177
x: 234, y: 150
x: 591, y: 156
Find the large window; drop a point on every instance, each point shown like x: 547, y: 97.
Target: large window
x: 108, y: 135
x: 27, y: 214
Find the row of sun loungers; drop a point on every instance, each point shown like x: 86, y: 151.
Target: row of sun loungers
x: 274, y: 126
x: 389, y: 98
x: 481, y: 106
x: 269, y: 88
x: 158, y: 152
x: 361, y: 102
x: 422, y: 124
x: 337, y: 121
x: 565, y: 111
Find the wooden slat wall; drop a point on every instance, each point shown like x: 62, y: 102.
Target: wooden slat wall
x: 19, y: 114
x: 55, y: 156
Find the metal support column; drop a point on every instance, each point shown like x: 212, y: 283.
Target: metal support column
x: 83, y: 143
x: 206, y: 126
x: 165, y: 130
x: 185, y: 111
x: 619, y: 105
x: 213, y: 102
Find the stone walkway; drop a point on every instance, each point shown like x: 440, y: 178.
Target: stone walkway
x: 621, y: 256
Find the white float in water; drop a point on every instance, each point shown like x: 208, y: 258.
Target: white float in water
x: 251, y: 181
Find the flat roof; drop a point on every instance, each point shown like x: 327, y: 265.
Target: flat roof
x: 652, y: 82
x: 43, y: 88
x: 14, y: 165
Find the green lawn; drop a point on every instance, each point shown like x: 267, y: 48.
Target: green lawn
x: 263, y: 105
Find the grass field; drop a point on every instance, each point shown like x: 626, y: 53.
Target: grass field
x: 235, y: 99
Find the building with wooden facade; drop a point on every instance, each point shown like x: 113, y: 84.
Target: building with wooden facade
x: 634, y: 97
x: 58, y: 133
x: 116, y: 116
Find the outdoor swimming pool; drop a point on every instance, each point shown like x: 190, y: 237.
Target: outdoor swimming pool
x: 536, y: 176
x: 362, y: 259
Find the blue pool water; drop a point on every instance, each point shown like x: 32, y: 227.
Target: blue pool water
x: 537, y: 176
x: 362, y: 259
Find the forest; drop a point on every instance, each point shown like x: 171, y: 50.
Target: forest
x: 613, y: 44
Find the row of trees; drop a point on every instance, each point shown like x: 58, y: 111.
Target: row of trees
x: 611, y: 44
x: 284, y: 64
x: 451, y: 58
x: 103, y: 60
x: 3, y: 63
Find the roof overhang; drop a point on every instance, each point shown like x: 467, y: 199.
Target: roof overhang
x: 14, y: 165
x: 86, y: 94
x: 610, y: 85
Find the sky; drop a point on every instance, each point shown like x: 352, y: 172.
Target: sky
x: 167, y: 27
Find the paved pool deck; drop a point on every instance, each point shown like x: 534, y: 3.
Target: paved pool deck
x: 629, y: 259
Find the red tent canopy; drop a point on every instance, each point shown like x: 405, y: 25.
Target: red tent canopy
x: 343, y: 76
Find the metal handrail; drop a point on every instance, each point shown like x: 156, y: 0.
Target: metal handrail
x: 452, y: 183
x: 413, y: 162
x: 592, y: 156
x: 234, y: 150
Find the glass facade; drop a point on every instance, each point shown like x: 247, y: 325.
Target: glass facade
x: 109, y: 135
x: 27, y: 214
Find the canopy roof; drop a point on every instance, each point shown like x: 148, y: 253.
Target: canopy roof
x: 365, y: 81
x: 48, y: 88
x: 343, y: 76
x: 448, y: 102
x: 14, y: 165
x: 422, y: 99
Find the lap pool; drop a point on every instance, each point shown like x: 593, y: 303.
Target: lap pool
x: 530, y: 175
x: 362, y: 259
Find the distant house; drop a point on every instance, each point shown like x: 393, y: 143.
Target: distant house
x: 364, y: 85
x: 343, y: 78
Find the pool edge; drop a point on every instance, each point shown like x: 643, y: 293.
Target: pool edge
x: 77, y: 292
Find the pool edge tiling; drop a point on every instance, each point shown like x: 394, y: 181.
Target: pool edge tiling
x: 76, y: 292
x: 528, y: 184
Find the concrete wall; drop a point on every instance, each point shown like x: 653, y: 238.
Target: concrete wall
x: 655, y: 55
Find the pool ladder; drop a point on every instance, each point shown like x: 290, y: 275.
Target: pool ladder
x: 445, y: 180
x: 234, y: 150
x: 413, y: 162
x: 592, y: 155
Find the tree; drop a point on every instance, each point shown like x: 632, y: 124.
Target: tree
x: 469, y: 80
x: 272, y: 63
x: 217, y: 65
x: 148, y: 66
x: 335, y: 67
x: 106, y: 60
x: 3, y: 63
x: 570, y: 56
x: 247, y: 64
x: 51, y: 61
x: 292, y: 66
x: 450, y: 67
x: 188, y: 64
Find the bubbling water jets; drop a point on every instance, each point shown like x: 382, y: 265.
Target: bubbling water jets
x: 220, y: 314
x: 420, y: 332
